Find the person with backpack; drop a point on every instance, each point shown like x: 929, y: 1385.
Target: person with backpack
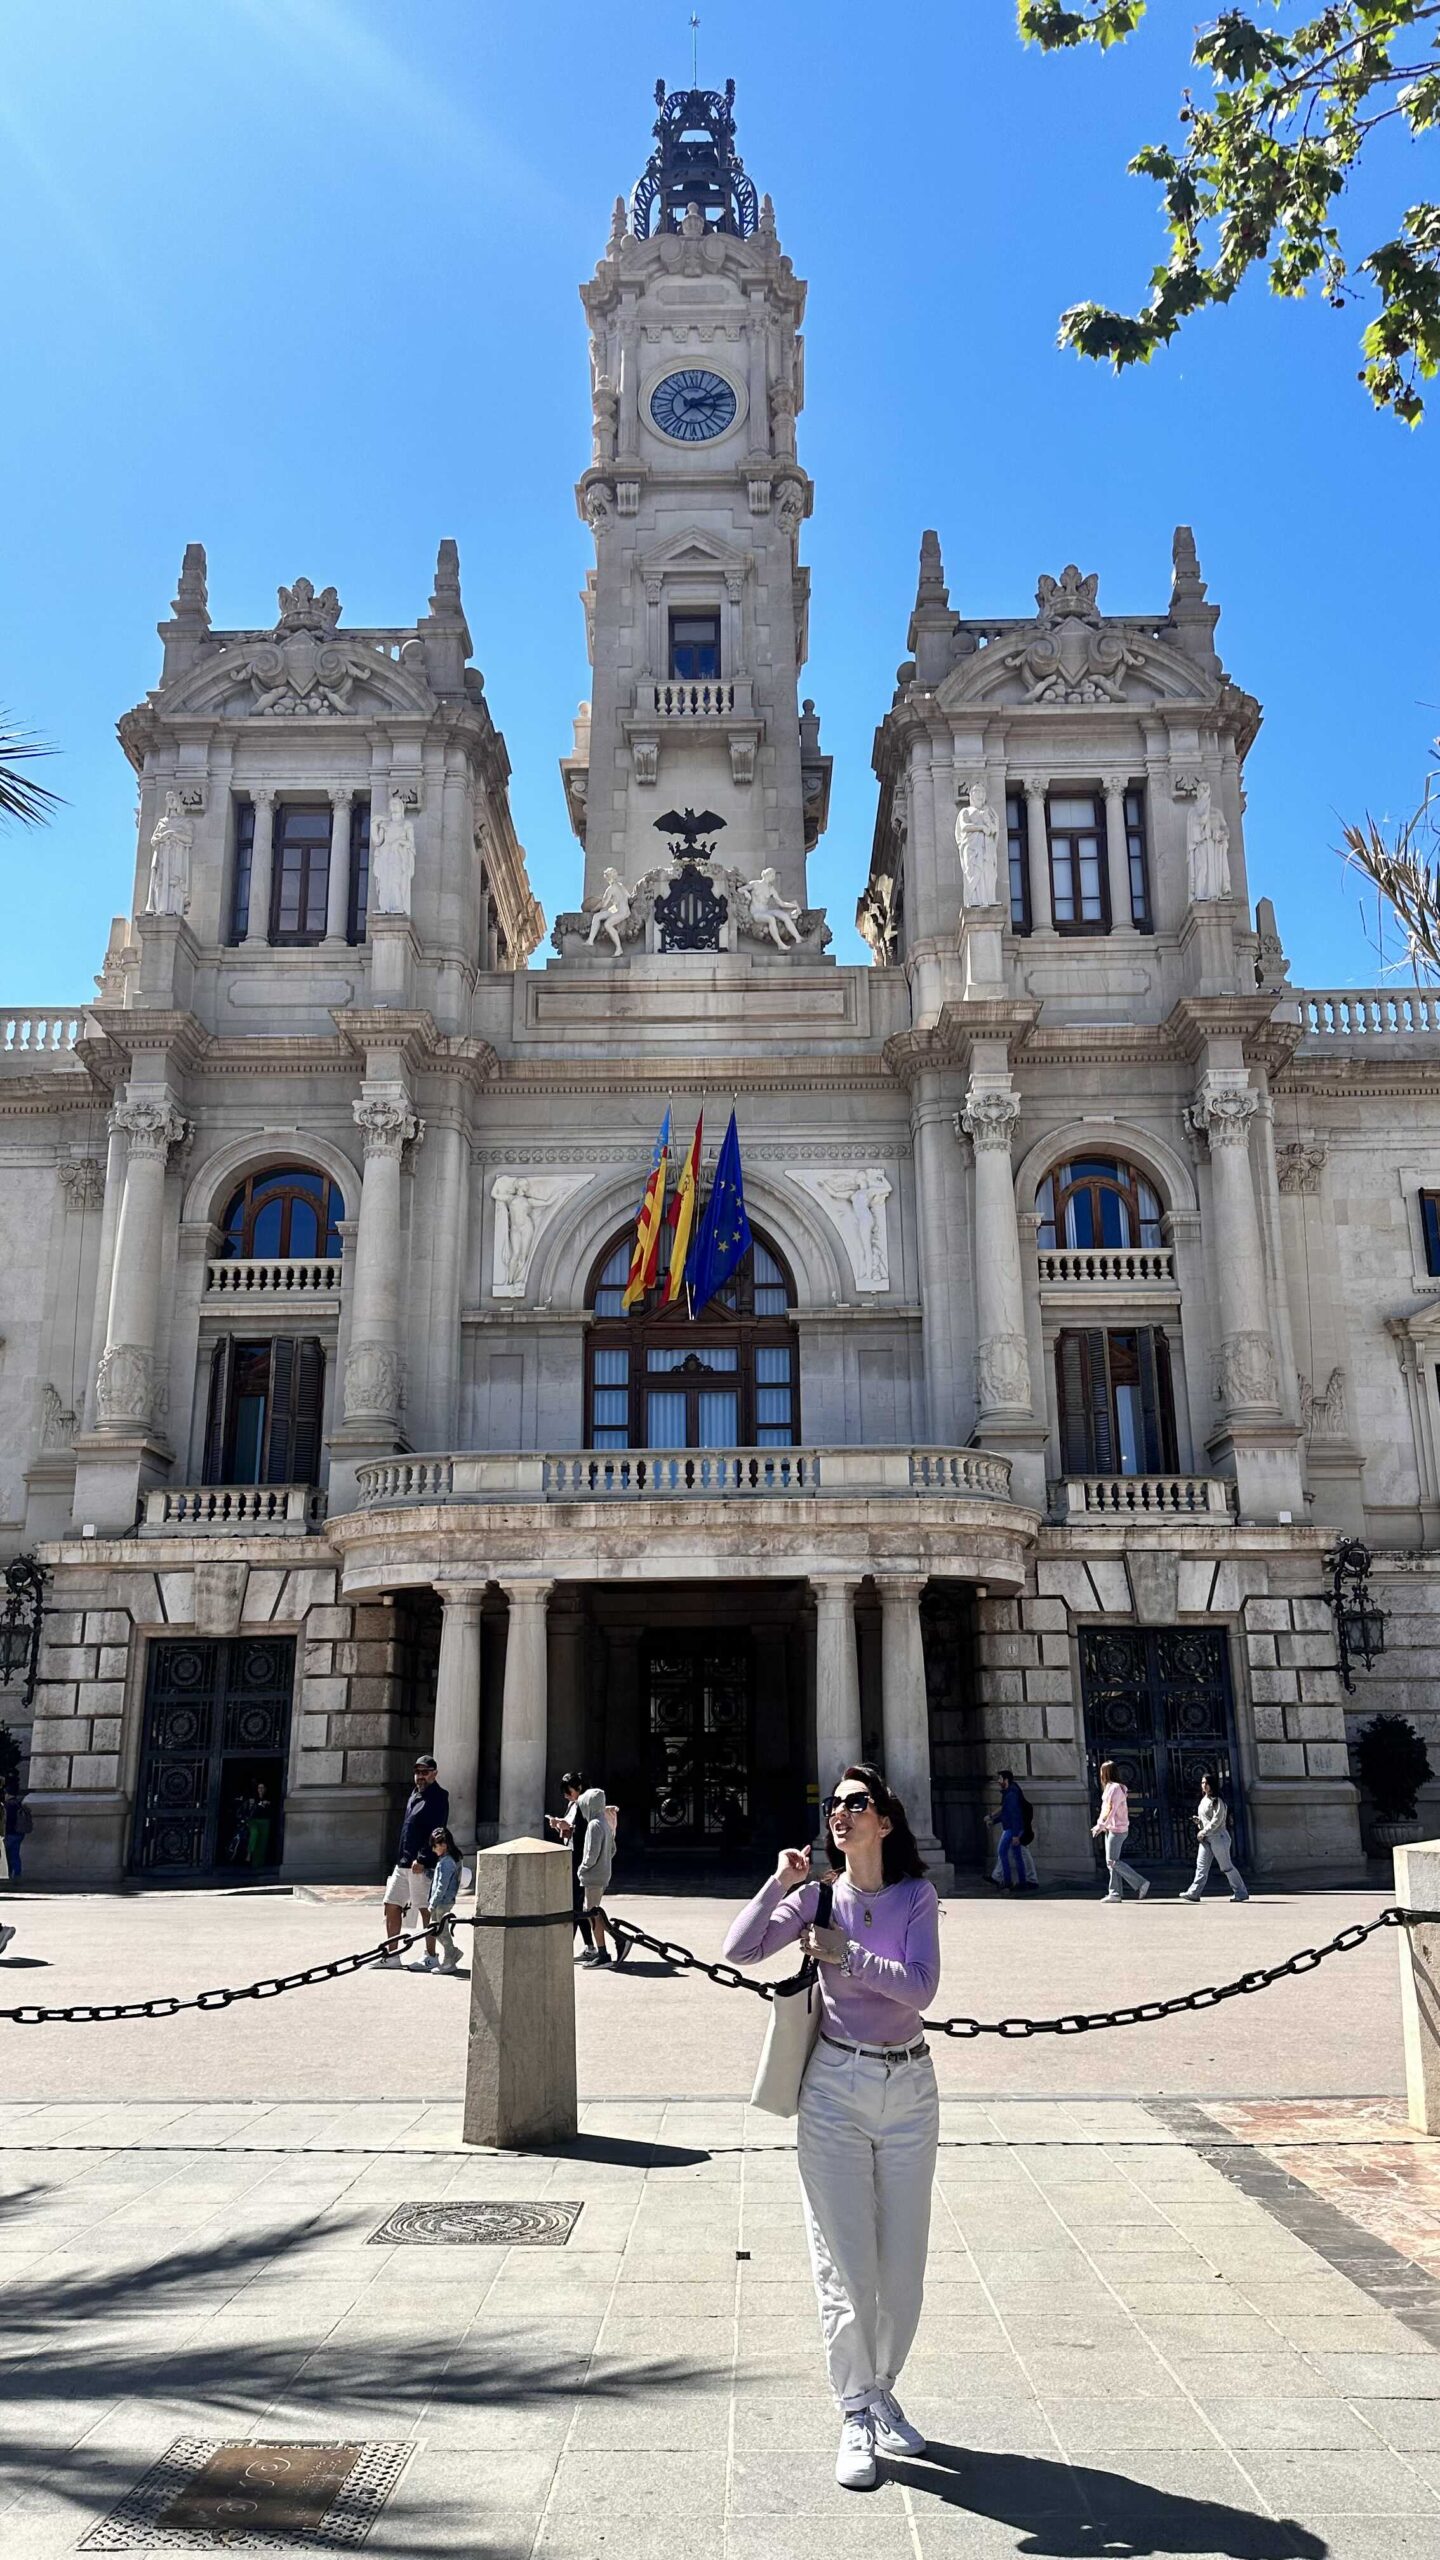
x: 1017, y: 1830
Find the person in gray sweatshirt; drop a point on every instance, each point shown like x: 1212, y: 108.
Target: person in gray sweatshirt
x: 597, y: 1858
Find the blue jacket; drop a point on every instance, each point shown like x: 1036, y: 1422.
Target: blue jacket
x: 427, y: 1810
x: 444, y: 1885
x: 1012, y: 1808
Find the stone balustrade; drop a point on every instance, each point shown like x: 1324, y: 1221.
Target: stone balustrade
x: 1170, y: 1497
x: 693, y: 700
x: 1348, y: 1013
x: 659, y: 1475
x: 1107, y: 1267
x: 41, y: 1033
x: 238, y: 1278
x: 284, y: 1510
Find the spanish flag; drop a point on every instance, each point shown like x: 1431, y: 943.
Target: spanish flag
x: 682, y: 1217
x: 645, y: 1252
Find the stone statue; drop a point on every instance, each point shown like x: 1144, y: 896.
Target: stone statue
x: 769, y: 912
x: 606, y: 410
x: 1207, y: 845
x: 977, y: 836
x: 169, y: 893
x: 611, y: 911
x: 517, y: 1198
x: 861, y: 1196
x: 692, y: 225
x: 392, y: 859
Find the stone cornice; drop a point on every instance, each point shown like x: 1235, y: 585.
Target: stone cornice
x: 1198, y: 1019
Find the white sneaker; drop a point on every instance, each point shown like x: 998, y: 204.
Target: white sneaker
x: 893, y: 2431
x: 6, y: 1934
x: 855, y: 2461
x: 1142, y: 1889
x: 427, y: 1964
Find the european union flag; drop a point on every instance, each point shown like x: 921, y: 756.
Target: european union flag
x: 724, y: 1238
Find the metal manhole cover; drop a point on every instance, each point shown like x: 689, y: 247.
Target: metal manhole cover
x: 486, y: 2226
x: 204, y: 2496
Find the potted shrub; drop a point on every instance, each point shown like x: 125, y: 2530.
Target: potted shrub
x: 1392, y: 1765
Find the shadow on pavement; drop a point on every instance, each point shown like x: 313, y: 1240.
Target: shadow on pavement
x: 1066, y: 2511
x: 612, y: 2151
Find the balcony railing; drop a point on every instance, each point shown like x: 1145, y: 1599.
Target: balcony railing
x: 1152, y: 1497
x: 280, y: 1510
x: 319, y: 1278
x: 1348, y: 1013
x: 1131, y: 1266
x: 38, y: 1034
x: 684, y: 1475
x: 708, y: 700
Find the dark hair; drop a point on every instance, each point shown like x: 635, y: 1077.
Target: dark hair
x: 1107, y: 1771
x: 899, y: 1856
x: 1210, y: 1781
x: 440, y: 1833
x: 1005, y: 1773
x: 574, y: 1778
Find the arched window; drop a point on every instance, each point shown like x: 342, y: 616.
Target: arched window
x: 1097, y: 1200
x: 655, y: 1380
x: 286, y: 1213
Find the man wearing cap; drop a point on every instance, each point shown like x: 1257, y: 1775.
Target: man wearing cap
x: 408, y: 1888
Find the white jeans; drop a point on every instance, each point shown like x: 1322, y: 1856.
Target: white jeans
x: 1119, y: 1872
x: 1216, y: 1851
x: 868, y: 2133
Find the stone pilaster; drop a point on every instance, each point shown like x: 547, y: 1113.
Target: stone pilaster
x: 127, y: 1378
x: 907, y: 1715
x: 374, y: 1370
x: 1117, y: 852
x: 1037, y: 846
x: 261, y: 856
x: 1252, y: 1433
x: 457, y: 1705
x: 837, y: 1680
x: 337, y: 886
x: 524, y: 1713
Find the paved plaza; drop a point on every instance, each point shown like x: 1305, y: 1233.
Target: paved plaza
x: 1194, y: 2310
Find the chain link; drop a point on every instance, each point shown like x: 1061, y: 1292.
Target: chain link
x: 729, y: 1978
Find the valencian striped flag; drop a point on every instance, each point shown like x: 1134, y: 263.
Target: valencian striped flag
x: 645, y: 1252
x: 682, y: 1217
x: 724, y: 1238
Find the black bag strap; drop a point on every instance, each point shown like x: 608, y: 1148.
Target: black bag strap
x: 823, y: 1906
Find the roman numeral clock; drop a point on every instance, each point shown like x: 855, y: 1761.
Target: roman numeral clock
x: 692, y: 406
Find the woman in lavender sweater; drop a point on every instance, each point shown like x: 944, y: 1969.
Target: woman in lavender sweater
x: 869, y: 2114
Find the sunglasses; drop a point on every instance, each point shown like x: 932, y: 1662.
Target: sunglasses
x: 860, y: 1803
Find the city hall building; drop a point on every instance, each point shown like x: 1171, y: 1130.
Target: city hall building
x: 1095, y: 1278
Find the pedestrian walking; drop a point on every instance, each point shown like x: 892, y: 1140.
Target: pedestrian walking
x: 869, y: 2120
x: 1113, y: 1828
x: 408, y: 1886
x: 19, y: 1822
x: 440, y: 1917
x: 1212, y: 1821
x: 572, y: 1833
x: 1014, y: 1822
x: 593, y: 1872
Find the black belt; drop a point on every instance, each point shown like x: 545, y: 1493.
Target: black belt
x: 878, y: 2052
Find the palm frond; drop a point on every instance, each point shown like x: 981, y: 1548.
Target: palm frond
x: 22, y: 798
x: 1409, y: 884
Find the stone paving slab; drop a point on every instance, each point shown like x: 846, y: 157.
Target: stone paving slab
x: 209, y: 2272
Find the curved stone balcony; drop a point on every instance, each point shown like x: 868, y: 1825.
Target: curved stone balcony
x: 680, y: 1475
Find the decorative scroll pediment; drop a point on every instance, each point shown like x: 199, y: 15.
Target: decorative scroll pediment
x: 306, y: 669
x: 692, y: 546
x: 1072, y: 654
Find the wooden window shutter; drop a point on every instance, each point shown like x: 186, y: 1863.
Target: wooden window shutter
x: 1071, y: 1367
x: 217, y: 1419
x: 1154, y: 1344
x: 279, y: 1414
x: 308, y: 1410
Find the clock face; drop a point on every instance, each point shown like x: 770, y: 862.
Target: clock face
x: 693, y: 406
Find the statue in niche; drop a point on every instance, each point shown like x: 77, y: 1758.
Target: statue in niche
x: 1207, y: 847
x: 771, y: 913
x: 861, y: 1196
x: 977, y: 838
x: 517, y: 1198
x: 611, y: 912
x: 392, y: 859
x: 169, y: 891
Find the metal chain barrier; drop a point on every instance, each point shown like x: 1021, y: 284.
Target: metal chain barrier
x: 729, y: 1978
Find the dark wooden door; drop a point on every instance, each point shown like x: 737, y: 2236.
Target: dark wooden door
x: 216, y: 1741
x: 698, y: 1689
x: 1158, y: 1703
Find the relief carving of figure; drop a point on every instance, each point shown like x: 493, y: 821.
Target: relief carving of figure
x: 517, y: 1199
x: 861, y: 1195
x: 606, y: 406
x: 57, y: 1423
x: 1207, y: 847
x: 611, y: 911
x: 977, y: 835
x: 169, y: 891
x: 769, y: 912
x: 392, y: 859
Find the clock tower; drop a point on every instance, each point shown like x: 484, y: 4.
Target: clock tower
x: 697, y: 605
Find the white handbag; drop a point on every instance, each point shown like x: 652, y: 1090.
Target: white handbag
x: 792, y: 2030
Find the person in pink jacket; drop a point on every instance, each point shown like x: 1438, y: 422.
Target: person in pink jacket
x: 1113, y: 1828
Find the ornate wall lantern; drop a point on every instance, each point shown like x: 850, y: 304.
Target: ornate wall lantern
x: 20, y: 1617
x: 1359, y: 1624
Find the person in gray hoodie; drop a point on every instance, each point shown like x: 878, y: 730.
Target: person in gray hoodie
x: 597, y: 1858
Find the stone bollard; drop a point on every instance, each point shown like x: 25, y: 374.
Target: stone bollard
x: 1417, y: 1887
x: 520, y: 2066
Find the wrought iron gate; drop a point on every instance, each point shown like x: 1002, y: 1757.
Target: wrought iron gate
x: 217, y: 1730
x: 1158, y: 1703
x: 698, y: 1702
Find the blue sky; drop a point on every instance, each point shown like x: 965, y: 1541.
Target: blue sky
x: 297, y: 278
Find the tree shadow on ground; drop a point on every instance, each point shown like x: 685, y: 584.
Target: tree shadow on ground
x: 1068, y: 2511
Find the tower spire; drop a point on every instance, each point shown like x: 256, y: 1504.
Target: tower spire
x: 188, y: 629
x: 931, y: 636
x: 1191, y: 620
x: 694, y: 162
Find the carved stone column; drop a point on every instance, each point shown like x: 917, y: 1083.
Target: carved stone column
x: 524, y: 1712
x: 1245, y: 1379
x: 1002, y: 1360
x: 837, y: 1679
x: 1117, y: 850
x: 457, y: 1705
x: 906, y: 1754
x: 1037, y: 841
x: 374, y: 1371
x: 939, y: 1221
x: 337, y: 887
x: 127, y: 1379
x: 261, y: 856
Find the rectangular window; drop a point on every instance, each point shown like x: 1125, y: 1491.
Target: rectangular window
x: 610, y: 1400
x: 300, y: 874
x: 1430, y: 1228
x: 1076, y: 823
x: 266, y: 1412
x: 1137, y: 859
x: 241, y: 868
x: 694, y: 646
x: 774, y: 1397
x: 1017, y: 840
x: 1116, y: 1406
x: 359, y: 903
